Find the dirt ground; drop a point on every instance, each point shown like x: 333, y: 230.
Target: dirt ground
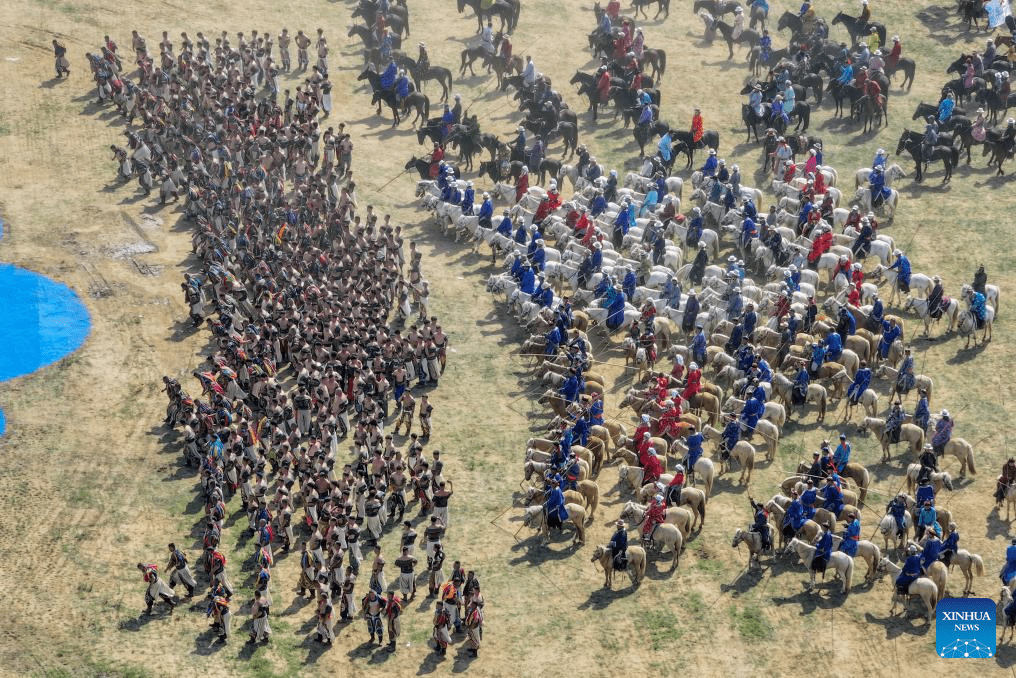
x: 91, y: 484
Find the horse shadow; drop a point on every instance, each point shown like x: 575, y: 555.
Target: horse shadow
x: 965, y: 355
x: 995, y: 525
x: 1005, y: 656
x: 897, y: 626
x: 601, y: 599
x: 747, y: 579
x: 810, y: 601
x: 533, y: 552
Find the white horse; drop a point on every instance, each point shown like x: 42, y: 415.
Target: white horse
x: 838, y: 560
x: 922, y: 587
x: 967, y: 325
x: 920, y: 307
x: 863, y: 196
x: 891, y: 174
x: 887, y: 526
x: 970, y: 564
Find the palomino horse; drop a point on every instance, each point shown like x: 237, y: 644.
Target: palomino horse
x: 536, y: 518
x: 634, y: 514
x: 939, y: 480
x: 838, y: 560
x: 964, y: 451
x: 667, y: 536
x: 754, y: 542
x: 1009, y: 626
x: 690, y: 496
x: 922, y: 587
x: 910, y: 433
x: 636, y: 564
x: 867, y: 551
x: 970, y: 564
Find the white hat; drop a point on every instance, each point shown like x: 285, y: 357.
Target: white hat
x: 486, y: 195
x: 793, y: 268
x: 731, y: 258
x: 469, y: 184
x: 712, y: 151
x: 597, y: 245
x: 735, y: 168
x: 945, y: 413
x: 679, y: 359
x: 525, y: 168
x: 645, y: 418
x: 897, y: 253
x: 553, y: 184
x: 693, y: 366
x: 652, y: 451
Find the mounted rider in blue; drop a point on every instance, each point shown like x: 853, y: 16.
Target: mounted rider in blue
x: 539, y: 256
x: 876, y: 184
x: 712, y: 162
x: 467, y: 199
x: 808, y: 499
x: 902, y: 267
x: 555, y: 508
x: 834, y: 346
x: 388, y: 77
x: 521, y: 234
x: 911, y: 571
x: 860, y: 384
x: 486, y: 212
x: 528, y: 283
x: 505, y: 227
x: 851, y: 536
x: 751, y: 413
x: 629, y: 283
x: 665, y: 147
x: 1009, y: 569
x: 570, y: 389
x: 545, y: 296
x: 833, y: 498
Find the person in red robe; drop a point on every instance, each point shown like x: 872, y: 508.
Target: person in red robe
x: 697, y: 129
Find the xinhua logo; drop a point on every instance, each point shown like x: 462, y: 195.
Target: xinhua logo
x: 965, y: 628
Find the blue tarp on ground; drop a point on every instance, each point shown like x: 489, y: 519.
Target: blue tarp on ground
x: 42, y: 322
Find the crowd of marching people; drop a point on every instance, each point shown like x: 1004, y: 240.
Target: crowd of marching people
x: 322, y: 334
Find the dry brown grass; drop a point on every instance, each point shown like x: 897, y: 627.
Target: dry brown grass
x: 91, y: 485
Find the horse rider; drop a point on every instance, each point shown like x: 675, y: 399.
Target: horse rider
x: 925, y: 492
x: 1005, y: 480
x: 946, y: 107
x: 656, y: 514
x: 1009, y: 569
x: 929, y: 464
x: 761, y: 524
x: 694, y: 442
x: 823, y: 549
x: 930, y: 138
x: 674, y: 488
x: 619, y: 547
x: 876, y: 186
x: 554, y: 506
x: 912, y: 569
x: 927, y: 518
x: 809, y: 496
x: 794, y: 519
x: 980, y: 279
x: 730, y: 435
x: 976, y: 302
x: 897, y: 508
x: 832, y: 497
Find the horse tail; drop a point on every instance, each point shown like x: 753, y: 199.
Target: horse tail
x: 848, y: 575
x: 955, y: 153
x: 663, y: 55
x: 593, y: 503
x: 970, y: 459
x: 978, y: 564
x: 709, y: 485
x: 405, y: 24
x: 822, y: 407
x: 426, y: 106
x: 701, y: 508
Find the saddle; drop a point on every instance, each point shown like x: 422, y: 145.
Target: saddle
x: 620, y: 562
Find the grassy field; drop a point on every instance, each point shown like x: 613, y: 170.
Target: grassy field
x: 91, y: 484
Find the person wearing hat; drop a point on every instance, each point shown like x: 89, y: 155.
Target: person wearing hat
x: 656, y: 514
x: 832, y: 497
x: 912, y: 569
x: 927, y: 519
x: 1009, y: 569
x: 711, y: 164
x: 852, y: 535
x: 943, y: 432
x: 554, y: 506
x: 823, y: 550
x: 929, y: 463
x: 1005, y: 480
x: 950, y: 545
x: 619, y: 547
x: 890, y: 333
x: 925, y: 492
x: 467, y: 199
x: 698, y: 345
x: 905, y: 378
x: 522, y: 183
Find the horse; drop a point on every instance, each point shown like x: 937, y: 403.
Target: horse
x: 419, y: 102
x: 536, y: 518
x: 506, y: 10
x: 636, y: 569
x: 747, y: 37
x: 964, y: 451
x: 657, y: 59
x: 715, y: 7
x: 439, y: 73
x: 922, y: 587
x: 634, y: 514
x: 838, y: 560
x: 912, y: 142
x: 970, y: 564
x: 887, y: 526
x: 859, y: 474
x: 872, y: 112
x: 859, y: 31
x: 906, y: 66
x: 640, y: 7
x: 888, y: 205
x: 967, y: 326
x: 754, y: 542
x: 920, y: 307
x: 1005, y: 601
x: 388, y: 97
x: 668, y: 536
x: 910, y: 433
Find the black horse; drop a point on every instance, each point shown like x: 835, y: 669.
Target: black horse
x: 397, y: 21
x: 912, y: 143
x: 715, y: 7
x: 492, y: 169
x: 419, y: 102
x: 905, y: 66
x: 467, y: 139
x: 859, y: 30
x: 842, y: 93
x: 640, y: 7
x: 422, y: 166
x: 386, y: 96
x: 505, y: 10
x: 645, y: 133
x: 366, y: 34
x: 791, y: 21
x: 748, y: 37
